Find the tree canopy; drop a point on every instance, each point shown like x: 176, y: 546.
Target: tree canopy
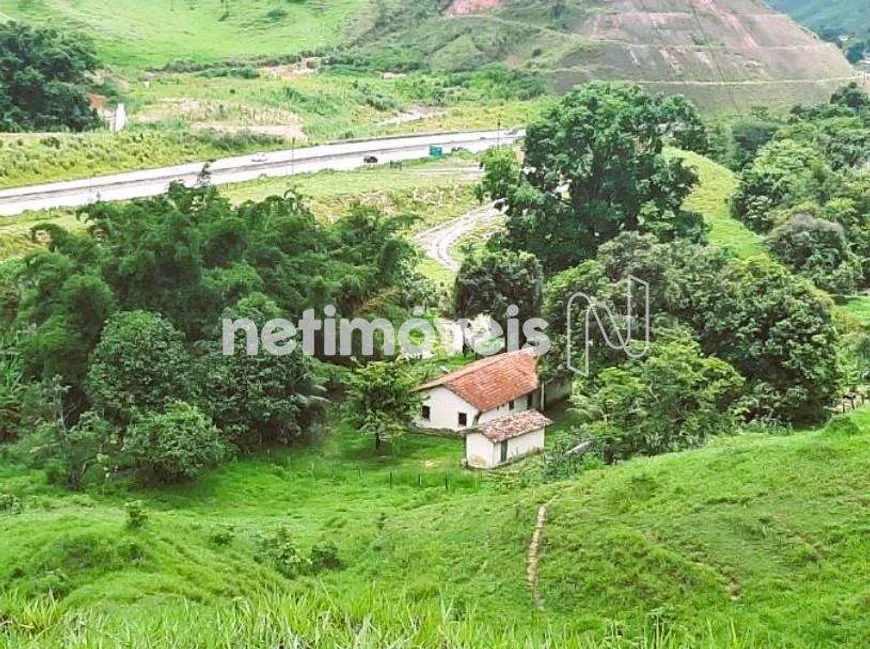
x: 43, y: 79
x: 594, y: 167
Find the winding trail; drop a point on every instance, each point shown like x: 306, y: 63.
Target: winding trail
x: 438, y: 242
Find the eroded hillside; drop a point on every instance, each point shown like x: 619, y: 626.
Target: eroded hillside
x: 719, y: 51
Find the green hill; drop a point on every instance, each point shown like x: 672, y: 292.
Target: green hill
x: 726, y: 54
x: 141, y: 34
x: 845, y: 16
x: 720, y: 547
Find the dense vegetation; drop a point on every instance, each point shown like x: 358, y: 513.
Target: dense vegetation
x: 118, y: 327
x: 807, y: 188
x: 43, y: 78
x: 597, y: 201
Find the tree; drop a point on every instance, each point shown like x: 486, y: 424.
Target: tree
x: 259, y: 399
x: 819, y: 250
x: 381, y: 400
x: 776, y: 329
x: 683, y: 125
x: 674, y: 399
x: 174, y: 445
x: 748, y: 135
x: 490, y: 281
x: 594, y: 167
x: 140, y: 363
x: 785, y: 173
x: 43, y: 77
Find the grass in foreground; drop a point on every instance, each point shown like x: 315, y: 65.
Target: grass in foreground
x: 720, y: 547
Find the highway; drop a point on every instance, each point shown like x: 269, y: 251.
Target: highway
x: 151, y: 182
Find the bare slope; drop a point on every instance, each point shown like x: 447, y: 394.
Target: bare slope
x: 734, y: 51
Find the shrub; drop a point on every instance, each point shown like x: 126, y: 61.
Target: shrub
x: 673, y: 400
x: 139, y: 363
x: 277, y: 549
x: 819, y: 250
x: 137, y: 517
x: 324, y: 556
x: 175, y: 445
x: 10, y: 504
x: 222, y: 536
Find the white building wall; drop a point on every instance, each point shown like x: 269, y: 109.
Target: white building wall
x: 524, y: 444
x: 480, y: 453
x: 520, y: 404
x: 444, y: 409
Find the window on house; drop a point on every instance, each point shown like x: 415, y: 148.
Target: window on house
x: 427, y: 413
x: 463, y: 419
x: 530, y: 401
x: 511, y: 405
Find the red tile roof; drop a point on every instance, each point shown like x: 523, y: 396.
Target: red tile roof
x: 492, y: 382
x: 509, y: 427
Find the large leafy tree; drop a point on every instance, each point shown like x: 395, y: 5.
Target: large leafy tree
x: 776, y: 329
x: 260, y: 399
x: 785, y: 173
x: 594, y: 167
x: 490, y: 281
x: 140, y: 363
x: 43, y: 76
x: 819, y: 250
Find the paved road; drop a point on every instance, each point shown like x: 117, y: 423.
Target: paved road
x: 151, y: 182
x: 437, y: 242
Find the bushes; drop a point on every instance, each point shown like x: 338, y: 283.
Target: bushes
x: 175, y: 445
x: 819, y: 250
x: 673, y: 400
x: 278, y: 550
x: 785, y: 174
x: 43, y: 80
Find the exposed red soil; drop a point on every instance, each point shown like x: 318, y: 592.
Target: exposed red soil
x: 463, y: 7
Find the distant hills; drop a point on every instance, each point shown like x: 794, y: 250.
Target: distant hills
x: 844, y: 16
x: 724, y: 53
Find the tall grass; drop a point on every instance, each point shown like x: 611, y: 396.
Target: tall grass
x: 273, y: 619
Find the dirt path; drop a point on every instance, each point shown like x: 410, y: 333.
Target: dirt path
x: 437, y: 242
x: 534, y: 546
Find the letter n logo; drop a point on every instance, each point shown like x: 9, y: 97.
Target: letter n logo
x: 590, y: 314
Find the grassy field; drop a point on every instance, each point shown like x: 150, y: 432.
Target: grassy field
x: 720, y: 547
x: 182, y: 118
x: 151, y: 34
x: 715, y: 186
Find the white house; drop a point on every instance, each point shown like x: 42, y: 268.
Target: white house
x: 481, y: 392
x: 505, y: 439
x: 495, y: 390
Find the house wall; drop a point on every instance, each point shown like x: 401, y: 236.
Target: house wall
x: 524, y: 444
x: 556, y: 391
x: 481, y: 453
x: 520, y: 404
x: 445, y: 408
